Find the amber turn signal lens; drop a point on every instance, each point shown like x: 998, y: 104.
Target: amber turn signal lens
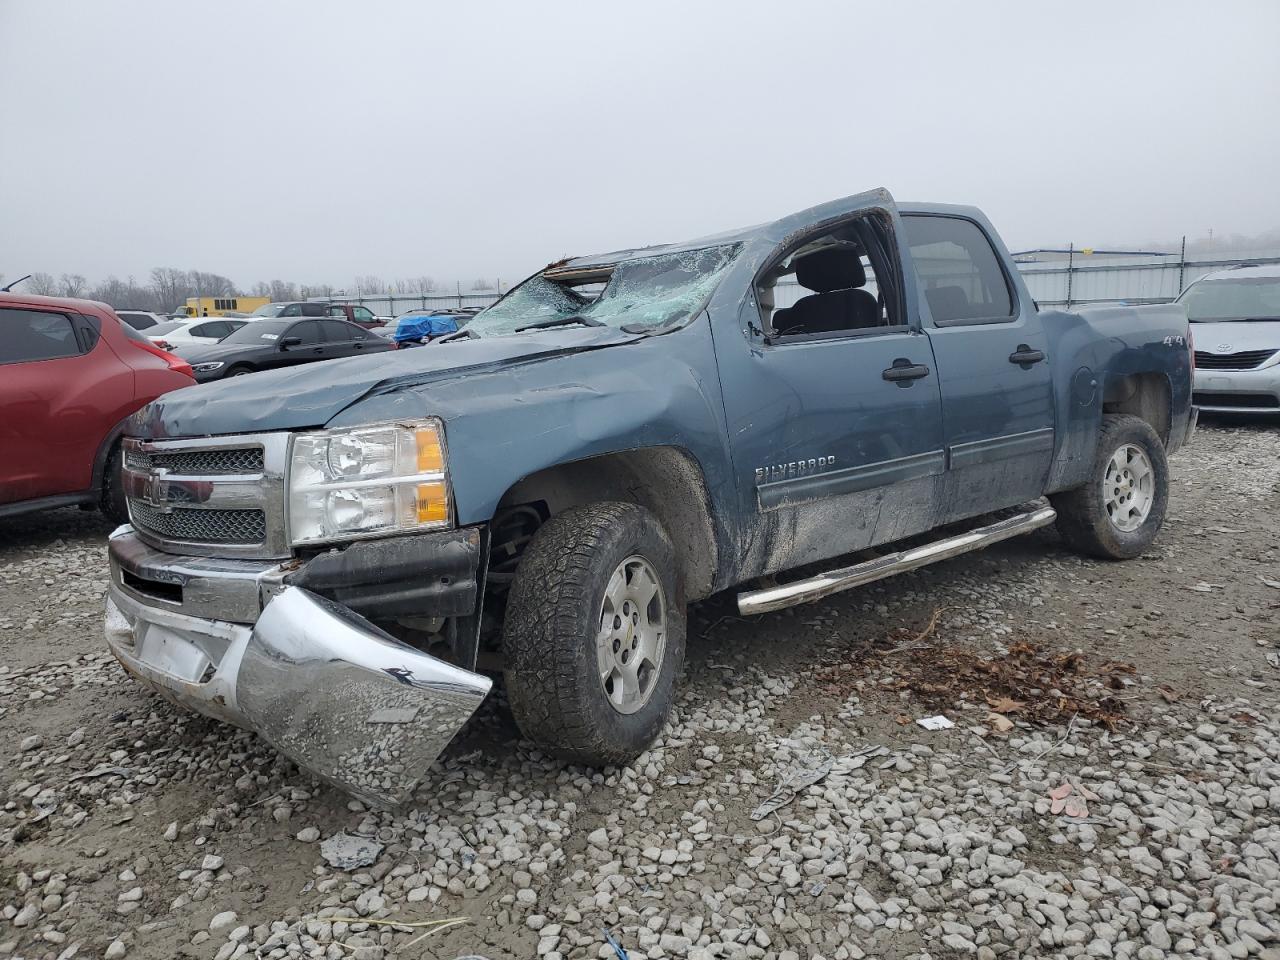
x: 432, y: 503
x: 430, y: 456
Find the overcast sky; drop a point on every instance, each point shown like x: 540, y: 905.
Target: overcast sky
x: 315, y: 141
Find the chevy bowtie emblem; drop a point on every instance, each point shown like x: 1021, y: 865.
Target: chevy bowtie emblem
x: 1223, y: 348
x: 157, y: 491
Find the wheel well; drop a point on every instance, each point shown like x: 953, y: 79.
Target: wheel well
x: 1144, y: 395
x: 664, y: 480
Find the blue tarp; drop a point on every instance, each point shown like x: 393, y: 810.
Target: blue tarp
x: 425, y: 325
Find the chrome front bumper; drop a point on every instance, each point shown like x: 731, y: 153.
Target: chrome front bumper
x: 327, y: 688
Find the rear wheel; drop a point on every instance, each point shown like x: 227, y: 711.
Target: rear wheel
x: 594, y: 634
x: 1118, y: 512
x: 111, y: 500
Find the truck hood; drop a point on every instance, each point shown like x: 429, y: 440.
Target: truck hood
x: 1236, y: 336
x: 312, y: 394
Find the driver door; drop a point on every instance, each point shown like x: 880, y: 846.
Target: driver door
x: 835, y: 427
x: 311, y: 348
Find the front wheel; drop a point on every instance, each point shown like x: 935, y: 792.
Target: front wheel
x: 1117, y: 513
x: 594, y: 634
x: 238, y: 371
x: 111, y: 498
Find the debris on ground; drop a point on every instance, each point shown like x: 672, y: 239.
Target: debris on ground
x: 999, y: 722
x: 935, y: 723
x: 1042, y: 688
x: 343, y: 851
x: 1070, y: 800
x: 809, y: 770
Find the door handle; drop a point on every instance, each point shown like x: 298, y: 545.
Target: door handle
x: 1024, y: 356
x: 904, y: 371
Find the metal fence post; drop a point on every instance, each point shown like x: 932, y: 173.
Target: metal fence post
x: 1071, y: 256
x: 1182, y: 264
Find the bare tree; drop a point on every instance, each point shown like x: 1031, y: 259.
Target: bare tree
x: 370, y: 284
x: 283, y: 290
x: 211, y: 284
x: 260, y: 289
x: 482, y: 284
x: 309, y: 290
x: 123, y: 294
x: 72, y: 285
x: 423, y: 285
x: 171, y: 286
x: 43, y: 284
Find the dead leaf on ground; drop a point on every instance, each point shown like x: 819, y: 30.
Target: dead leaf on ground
x: 1076, y: 807
x: 1041, y: 687
x: 1167, y: 692
x: 1006, y: 704
x: 999, y: 722
x: 1087, y: 793
x: 1244, y: 717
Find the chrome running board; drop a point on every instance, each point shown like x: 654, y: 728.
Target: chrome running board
x: 845, y: 578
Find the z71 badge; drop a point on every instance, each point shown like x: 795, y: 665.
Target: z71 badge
x: 796, y: 468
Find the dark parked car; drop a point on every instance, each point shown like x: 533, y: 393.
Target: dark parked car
x: 267, y: 344
x: 71, y: 373
x: 353, y: 313
x: 788, y: 411
x: 141, y: 319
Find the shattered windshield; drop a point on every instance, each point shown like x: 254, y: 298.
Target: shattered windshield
x: 652, y: 291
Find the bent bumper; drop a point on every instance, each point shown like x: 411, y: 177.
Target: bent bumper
x: 327, y: 688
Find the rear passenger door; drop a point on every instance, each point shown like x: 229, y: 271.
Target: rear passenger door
x: 341, y: 338
x: 992, y: 361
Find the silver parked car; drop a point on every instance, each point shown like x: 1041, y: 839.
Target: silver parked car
x: 1235, y: 319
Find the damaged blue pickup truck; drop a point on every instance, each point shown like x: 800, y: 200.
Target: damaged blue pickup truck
x: 339, y: 556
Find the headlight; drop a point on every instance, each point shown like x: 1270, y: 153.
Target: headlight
x: 368, y: 482
x: 208, y: 367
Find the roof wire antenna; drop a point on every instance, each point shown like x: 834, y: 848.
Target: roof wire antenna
x: 6, y: 289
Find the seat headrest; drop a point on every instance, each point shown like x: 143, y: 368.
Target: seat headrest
x: 835, y: 268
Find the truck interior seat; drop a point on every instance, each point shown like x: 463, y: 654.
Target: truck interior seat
x: 838, y: 303
x: 949, y: 302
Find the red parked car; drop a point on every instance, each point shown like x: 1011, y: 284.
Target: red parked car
x: 71, y: 373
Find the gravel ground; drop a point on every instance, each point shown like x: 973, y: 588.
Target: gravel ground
x: 132, y: 829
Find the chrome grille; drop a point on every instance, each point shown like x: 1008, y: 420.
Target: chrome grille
x: 213, y: 497
x: 201, y: 526
x: 1244, y: 360
x: 249, y: 460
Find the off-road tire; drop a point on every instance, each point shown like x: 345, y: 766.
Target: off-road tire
x: 552, y: 620
x: 111, y: 499
x: 1082, y: 514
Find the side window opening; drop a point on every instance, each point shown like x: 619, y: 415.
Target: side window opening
x: 37, y: 335
x: 958, y: 269
x: 838, y: 283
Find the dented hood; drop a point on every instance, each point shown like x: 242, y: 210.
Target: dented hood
x: 310, y: 395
